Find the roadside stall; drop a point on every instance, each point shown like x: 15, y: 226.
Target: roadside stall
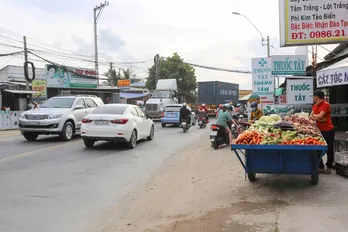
x: 292, y: 145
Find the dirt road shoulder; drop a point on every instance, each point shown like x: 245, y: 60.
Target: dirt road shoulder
x: 204, y: 190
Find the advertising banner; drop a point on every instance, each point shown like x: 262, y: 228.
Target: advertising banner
x: 337, y: 76
x: 299, y: 91
x: 123, y: 84
x: 313, y: 22
x: 70, y: 77
x: 39, y: 86
x: 263, y: 81
x: 337, y: 110
x: 289, y: 64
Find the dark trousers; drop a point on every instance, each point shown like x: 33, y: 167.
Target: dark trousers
x: 329, y: 137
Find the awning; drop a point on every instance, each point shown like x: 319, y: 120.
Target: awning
x: 342, y: 64
x: 21, y: 91
x: 249, y: 97
x: 132, y: 95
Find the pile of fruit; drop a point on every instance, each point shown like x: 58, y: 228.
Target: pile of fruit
x: 294, y: 130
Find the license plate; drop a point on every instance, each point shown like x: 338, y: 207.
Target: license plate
x: 213, y: 133
x: 184, y: 123
x: 33, y: 123
x: 200, y: 123
x: 101, y: 122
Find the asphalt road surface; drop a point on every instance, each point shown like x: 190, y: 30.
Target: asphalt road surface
x: 54, y: 186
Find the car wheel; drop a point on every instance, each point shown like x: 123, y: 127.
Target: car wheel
x: 152, y: 133
x: 89, y: 143
x: 30, y: 136
x: 133, y: 140
x: 67, y: 132
x: 163, y: 125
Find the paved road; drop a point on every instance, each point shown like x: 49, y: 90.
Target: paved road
x: 54, y: 186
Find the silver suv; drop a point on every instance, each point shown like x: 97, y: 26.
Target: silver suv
x: 60, y: 115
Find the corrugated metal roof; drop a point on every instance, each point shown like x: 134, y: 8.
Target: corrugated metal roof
x: 20, y: 91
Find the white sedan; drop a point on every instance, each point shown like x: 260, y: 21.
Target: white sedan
x: 118, y: 123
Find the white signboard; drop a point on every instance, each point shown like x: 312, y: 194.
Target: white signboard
x: 337, y: 76
x: 263, y: 81
x: 313, y: 22
x: 267, y: 99
x: 299, y: 91
x: 289, y: 65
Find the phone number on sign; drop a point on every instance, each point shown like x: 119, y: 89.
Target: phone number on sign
x: 319, y: 34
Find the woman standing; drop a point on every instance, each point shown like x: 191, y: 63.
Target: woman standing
x: 321, y: 114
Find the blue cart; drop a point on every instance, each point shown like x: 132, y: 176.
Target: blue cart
x: 280, y: 159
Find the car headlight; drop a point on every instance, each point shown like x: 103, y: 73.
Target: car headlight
x: 57, y: 115
x: 22, y: 115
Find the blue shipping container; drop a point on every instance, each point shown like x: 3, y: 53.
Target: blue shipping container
x: 217, y: 92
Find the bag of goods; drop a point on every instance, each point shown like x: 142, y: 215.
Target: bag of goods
x: 284, y: 126
x: 342, y: 158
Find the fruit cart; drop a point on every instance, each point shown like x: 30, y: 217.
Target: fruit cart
x: 280, y: 159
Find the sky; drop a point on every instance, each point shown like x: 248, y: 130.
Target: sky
x: 131, y: 31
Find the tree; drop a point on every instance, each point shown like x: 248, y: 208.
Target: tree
x: 113, y: 76
x: 175, y: 68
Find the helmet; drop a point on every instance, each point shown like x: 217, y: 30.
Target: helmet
x: 184, y: 104
x: 238, y: 105
x: 254, y: 104
x: 227, y: 105
x: 220, y: 106
x: 203, y: 105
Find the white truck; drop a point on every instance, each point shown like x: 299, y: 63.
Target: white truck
x: 164, y: 94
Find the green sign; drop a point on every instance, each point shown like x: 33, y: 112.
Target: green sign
x: 289, y: 65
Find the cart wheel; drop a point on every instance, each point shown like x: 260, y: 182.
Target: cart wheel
x: 251, y: 177
x: 315, y: 179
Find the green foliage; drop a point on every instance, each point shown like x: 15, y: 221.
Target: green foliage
x: 114, y: 76
x: 175, y: 68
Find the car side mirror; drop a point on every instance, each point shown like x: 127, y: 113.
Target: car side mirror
x: 78, y: 107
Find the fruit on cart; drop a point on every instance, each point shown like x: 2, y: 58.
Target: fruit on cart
x: 249, y: 137
x: 305, y: 141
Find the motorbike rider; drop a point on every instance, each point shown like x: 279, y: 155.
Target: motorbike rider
x: 218, y: 110
x: 256, y: 113
x: 223, y: 117
x: 237, y: 108
x: 205, y: 110
x: 185, y: 114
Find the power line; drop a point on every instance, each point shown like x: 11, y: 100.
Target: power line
x: 219, y: 69
x: 11, y: 54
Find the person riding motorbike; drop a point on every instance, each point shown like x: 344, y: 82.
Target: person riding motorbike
x: 256, y: 113
x: 237, y: 108
x: 218, y: 110
x: 185, y: 114
x: 223, y: 118
x: 205, y: 110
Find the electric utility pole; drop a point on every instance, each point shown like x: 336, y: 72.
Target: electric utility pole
x: 156, y: 61
x: 97, y: 11
x: 26, y: 60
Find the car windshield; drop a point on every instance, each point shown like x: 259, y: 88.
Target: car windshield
x: 58, y: 102
x: 108, y: 109
x: 172, y: 108
x: 161, y: 94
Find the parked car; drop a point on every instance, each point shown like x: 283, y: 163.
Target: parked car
x: 60, y: 115
x: 171, y: 115
x: 121, y: 123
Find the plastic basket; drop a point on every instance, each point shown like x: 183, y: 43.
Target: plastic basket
x: 340, y: 145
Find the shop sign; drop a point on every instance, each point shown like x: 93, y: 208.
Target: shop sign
x: 243, y: 93
x: 289, y: 65
x: 299, y: 91
x: 337, y: 110
x: 267, y: 99
x: 337, y: 76
x: 313, y: 22
x: 39, y: 86
x: 263, y: 81
x: 70, y: 77
x: 123, y: 84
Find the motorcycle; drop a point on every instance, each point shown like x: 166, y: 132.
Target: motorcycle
x: 239, y: 125
x: 202, y: 121
x: 185, y: 125
x: 219, y: 135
